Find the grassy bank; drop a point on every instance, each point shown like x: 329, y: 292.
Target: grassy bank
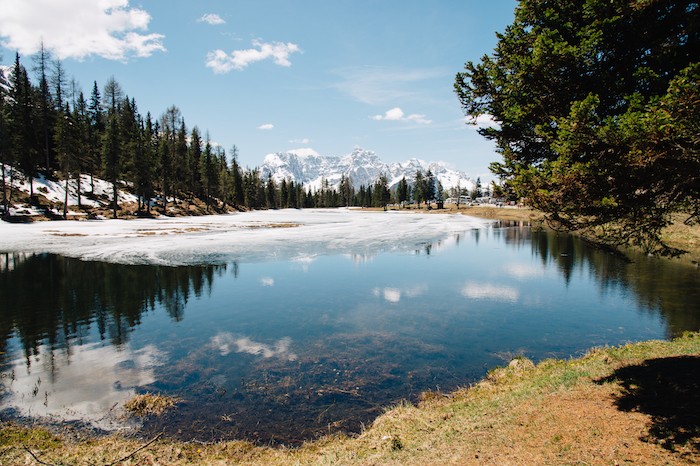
x: 634, y: 404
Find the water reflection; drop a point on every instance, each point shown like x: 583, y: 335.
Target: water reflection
x: 285, y: 351
x: 55, y: 301
x: 474, y: 290
x: 83, y: 382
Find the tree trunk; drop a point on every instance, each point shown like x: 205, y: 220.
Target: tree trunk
x: 115, y: 198
x: 80, y: 203
x: 12, y: 182
x: 4, y: 192
x: 65, y: 200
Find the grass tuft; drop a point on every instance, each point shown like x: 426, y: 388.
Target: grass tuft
x: 149, y: 404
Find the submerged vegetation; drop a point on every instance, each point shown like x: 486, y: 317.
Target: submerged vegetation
x: 149, y: 404
x: 630, y: 404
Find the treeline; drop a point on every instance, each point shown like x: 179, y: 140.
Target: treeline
x: 49, y: 126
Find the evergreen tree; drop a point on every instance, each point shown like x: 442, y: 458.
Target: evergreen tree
x: 206, y: 169
x: 271, y: 192
x: 381, y: 192
x: 95, y: 130
x: 65, y: 142
x: 129, y: 138
x: 284, y: 194
x: 346, y: 191
x: 5, y: 159
x: 597, y: 104
x: 402, y: 191
x: 420, y: 188
x: 22, y: 117
x: 194, y: 158
x: 430, y: 188
x: 81, y: 122
x: 182, y: 163
x: 59, y: 82
x: 238, y: 193
x: 46, y: 112
x: 222, y: 178
x: 144, y: 162
x: 111, y: 152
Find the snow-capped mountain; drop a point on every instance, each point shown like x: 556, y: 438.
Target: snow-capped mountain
x: 363, y: 167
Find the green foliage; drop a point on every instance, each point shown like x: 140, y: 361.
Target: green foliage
x: 598, y: 121
x: 106, y: 136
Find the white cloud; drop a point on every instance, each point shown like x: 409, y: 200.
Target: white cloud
x: 266, y: 126
x: 279, y: 52
x: 300, y: 141
x: 482, y: 121
x: 78, y: 28
x: 396, y: 114
x: 211, y: 18
x: 267, y: 281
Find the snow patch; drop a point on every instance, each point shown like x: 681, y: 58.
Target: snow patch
x: 243, y: 237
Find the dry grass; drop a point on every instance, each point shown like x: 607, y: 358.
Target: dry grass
x: 149, y: 404
x: 602, y: 409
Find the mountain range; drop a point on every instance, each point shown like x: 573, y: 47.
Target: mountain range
x: 363, y: 167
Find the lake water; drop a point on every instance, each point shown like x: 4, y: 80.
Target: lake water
x: 282, y: 351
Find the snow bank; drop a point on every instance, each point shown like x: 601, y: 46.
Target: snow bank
x: 55, y: 191
x: 245, y: 237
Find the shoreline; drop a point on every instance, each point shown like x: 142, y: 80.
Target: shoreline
x: 612, y: 405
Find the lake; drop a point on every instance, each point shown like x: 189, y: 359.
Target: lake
x: 280, y: 350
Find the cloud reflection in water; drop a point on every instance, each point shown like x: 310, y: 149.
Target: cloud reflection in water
x: 225, y: 343
x: 475, y: 290
x: 83, y: 385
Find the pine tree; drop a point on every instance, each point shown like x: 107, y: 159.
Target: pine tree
x: 95, y: 130
x: 420, y: 188
x: 4, y: 141
x: 237, y: 179
x: 205, y: 169
x: 182, y: 163
x: 81, y: 121
x: 381, y: 192
x: 111, y: 150
x: 402, y: 191
x: 271, y: 192
x: 22, y: 117
x: 46, y: 113
x: 194, y: 184
x: 430, y: 188
x: 346, y: 191
x: 65, y: 142
x: 144, y: 163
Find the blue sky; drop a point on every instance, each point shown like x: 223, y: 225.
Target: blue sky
x: 275, y: 75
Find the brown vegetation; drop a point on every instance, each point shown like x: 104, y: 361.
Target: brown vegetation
x: 629, y: 405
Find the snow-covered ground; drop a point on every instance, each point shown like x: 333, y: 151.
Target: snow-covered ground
x: 245, y: 237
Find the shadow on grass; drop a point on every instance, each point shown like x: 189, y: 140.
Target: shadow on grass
x: 667, y: 389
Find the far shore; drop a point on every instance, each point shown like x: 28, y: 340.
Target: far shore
x: 678, y: 235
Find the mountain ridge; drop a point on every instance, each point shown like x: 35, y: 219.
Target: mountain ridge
x: 362, y: 166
